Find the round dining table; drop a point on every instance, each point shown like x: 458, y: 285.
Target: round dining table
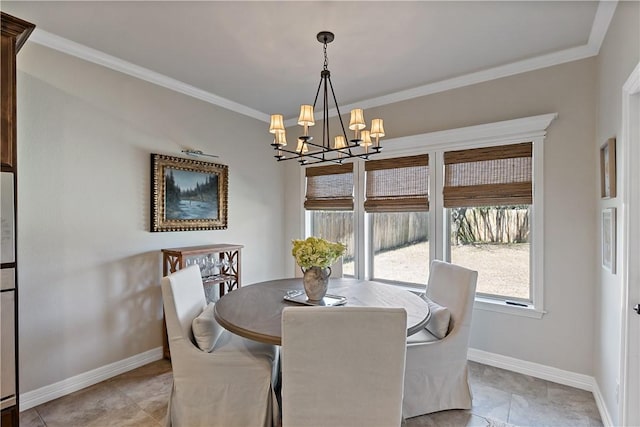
x: 255, y: 311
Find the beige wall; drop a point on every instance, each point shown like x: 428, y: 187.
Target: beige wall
x: 563, y: 338
x: 619, y: 54
x: 89, y: 269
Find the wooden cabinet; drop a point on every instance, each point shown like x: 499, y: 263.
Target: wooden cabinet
x: 7, y: 349
x: 219, y: 265
x: 14, y: 34
x: 229, y: 255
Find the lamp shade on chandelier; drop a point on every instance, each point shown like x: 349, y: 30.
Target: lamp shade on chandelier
x: 364, y: 142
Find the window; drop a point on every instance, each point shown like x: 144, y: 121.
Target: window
x: 329, y: 188
x: 472, y: 196
x: 397, y: 203
x: 329, y: 200
x: 336, y: 226
x: 488, y: 194
x: 493, y: 240
x: 400, y: 247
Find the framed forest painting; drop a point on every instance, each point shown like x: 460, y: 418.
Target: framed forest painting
x: 187, y: 194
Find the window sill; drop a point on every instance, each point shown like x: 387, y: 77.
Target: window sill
x: 483, y: 303
x: 500, y: 306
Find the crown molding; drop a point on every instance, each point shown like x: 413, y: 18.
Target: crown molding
x: 602, y: 20
x: 488, y: 134
x: 78, y: 50
x: 531, y: 64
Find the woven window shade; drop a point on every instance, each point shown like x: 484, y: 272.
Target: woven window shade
x: 330, y: 188
x: 490, y: 176
x: 397, y: 185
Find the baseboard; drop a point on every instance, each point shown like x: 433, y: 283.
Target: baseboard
x: 50, y: 392
x: 53, y: 391
x: 560, y: 376
x: 604, y: 413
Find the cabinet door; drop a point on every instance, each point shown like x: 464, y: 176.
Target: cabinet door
x: 7, y: 100
x: 7, y: 219
x: 7, y: 348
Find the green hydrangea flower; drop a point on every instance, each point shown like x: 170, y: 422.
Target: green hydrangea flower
x: 316, y: 252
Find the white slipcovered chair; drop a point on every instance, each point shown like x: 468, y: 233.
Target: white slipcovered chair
x: 342, y: 366
x: 436, y: 369
x: 230, y: 385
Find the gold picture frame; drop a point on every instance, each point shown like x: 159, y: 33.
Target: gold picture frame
x: 608, y: 169
x: 187, y: 195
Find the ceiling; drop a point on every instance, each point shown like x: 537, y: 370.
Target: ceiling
x: 262, y: 57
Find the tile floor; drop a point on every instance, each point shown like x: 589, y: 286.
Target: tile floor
x: 500, y: 398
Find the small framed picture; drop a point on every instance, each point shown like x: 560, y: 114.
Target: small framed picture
x: 609, y: 239
x: 608, y: 169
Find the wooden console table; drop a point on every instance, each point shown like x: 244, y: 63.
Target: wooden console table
x: 228, y: 277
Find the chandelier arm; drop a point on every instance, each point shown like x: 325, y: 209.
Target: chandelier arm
x: 302, y: 157
x: 326, y: 134
x: 316, y: 153
x: 318, y: 160
x: 322, y: 147
x: 318, y: 91
x: 326, y: 150
x: 336, y: 161
x: 323, y: 161
x: 335, y: 101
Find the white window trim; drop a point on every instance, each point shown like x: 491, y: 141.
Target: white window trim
x: 506, y: 132
x: 360, y: 223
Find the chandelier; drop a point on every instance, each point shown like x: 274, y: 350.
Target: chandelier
x: 363, y: 143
